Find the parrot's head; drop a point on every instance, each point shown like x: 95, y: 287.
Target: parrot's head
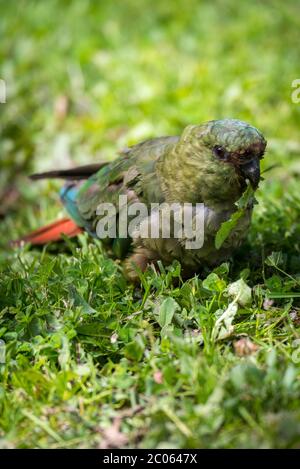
x: 224, y: 154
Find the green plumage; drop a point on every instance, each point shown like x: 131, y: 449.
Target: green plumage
x: 207, y: 164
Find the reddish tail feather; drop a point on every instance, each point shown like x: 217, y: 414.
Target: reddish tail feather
x: 51, y: 232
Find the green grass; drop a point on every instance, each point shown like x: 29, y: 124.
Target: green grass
x: 90, y: 360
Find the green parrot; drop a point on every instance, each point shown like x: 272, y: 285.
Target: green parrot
x: 207, y: 164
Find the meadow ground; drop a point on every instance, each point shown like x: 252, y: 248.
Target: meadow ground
x: 88, y: 360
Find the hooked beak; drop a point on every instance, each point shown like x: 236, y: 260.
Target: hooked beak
x: 251, y: 171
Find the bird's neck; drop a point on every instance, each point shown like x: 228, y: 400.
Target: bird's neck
x: 175, y: 178
x: 181, y: 181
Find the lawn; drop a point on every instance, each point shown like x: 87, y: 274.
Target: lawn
x: 89, y: 360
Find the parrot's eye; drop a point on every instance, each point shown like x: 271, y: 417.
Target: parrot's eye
x: 220, y: 153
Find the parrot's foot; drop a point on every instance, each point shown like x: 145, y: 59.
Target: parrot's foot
x: 138, y: 262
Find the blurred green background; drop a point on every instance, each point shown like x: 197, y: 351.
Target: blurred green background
x: 84, y: 79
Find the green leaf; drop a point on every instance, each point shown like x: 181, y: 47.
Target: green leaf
x: 214, y: 283
x: 135, y: 349
x: 246, y: 198
x: 274, y: 283
x: 275, y: 259
x: 94, y: 329
x: 274, y: 295
x: 227, y: 226
x: 78, y: 300
x: 166, y: 311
